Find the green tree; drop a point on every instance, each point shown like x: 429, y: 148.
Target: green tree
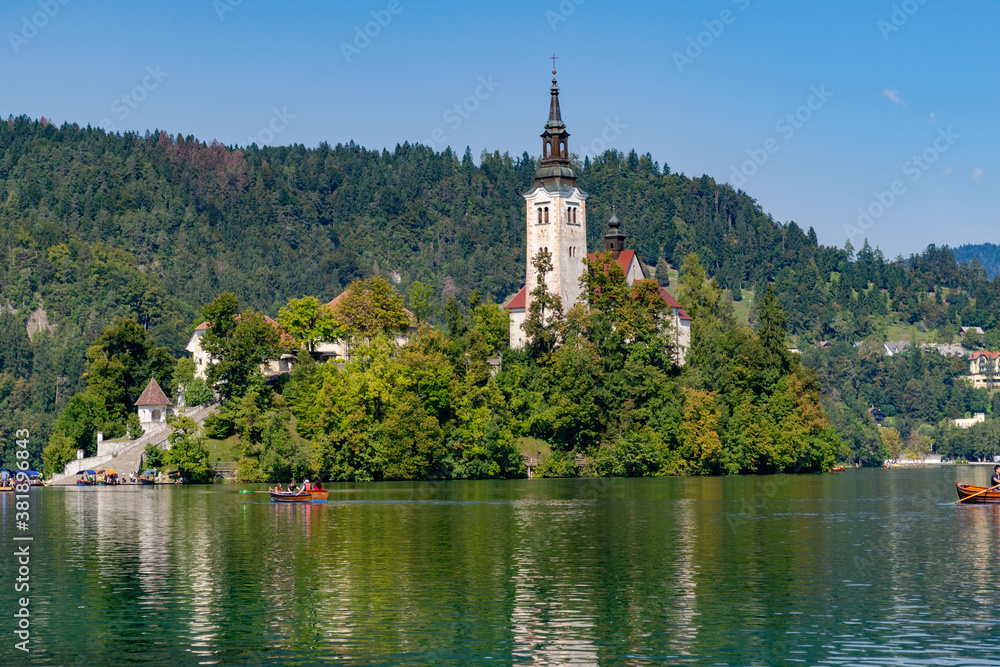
x: 238, y: 345
x: 421, y: 300
x: 188, y: 451
x: 307, y: 321
x: 545, y: 314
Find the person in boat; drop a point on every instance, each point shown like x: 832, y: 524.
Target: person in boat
x: 995, y: 480
x: 318, y: 486
x: 306, y: 486
x: 291, y: 487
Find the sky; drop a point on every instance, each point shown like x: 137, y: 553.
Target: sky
x: 864, y: 119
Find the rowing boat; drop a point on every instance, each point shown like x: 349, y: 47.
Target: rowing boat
x: 975, y: 494
x: 300, y: 497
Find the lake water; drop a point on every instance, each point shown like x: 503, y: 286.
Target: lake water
x: 866, y: 567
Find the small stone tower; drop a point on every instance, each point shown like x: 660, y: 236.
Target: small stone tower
x: 153, y: 406
x: 614, y: 240
x: 556, y: 213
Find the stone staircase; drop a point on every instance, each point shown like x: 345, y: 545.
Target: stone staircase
x: 128, y: 457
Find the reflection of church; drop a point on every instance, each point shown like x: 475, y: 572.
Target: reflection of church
x: 556, y: 214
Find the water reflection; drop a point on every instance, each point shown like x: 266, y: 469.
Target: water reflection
x: 864, y: 568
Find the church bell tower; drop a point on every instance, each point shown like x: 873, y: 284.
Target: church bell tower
x: 556, y: 213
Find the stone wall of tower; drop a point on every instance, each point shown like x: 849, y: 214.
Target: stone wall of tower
x: 564, y: 234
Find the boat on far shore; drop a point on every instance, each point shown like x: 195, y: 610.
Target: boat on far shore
x: 86, y: 478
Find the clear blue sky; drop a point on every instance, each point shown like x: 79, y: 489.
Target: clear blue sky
x: 897, y: 80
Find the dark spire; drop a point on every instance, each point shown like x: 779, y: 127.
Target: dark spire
x: 614, y: 240
x: 555, y: 115
x: 555, y: 173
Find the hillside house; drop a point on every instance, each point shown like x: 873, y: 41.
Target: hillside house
x: 892, y: 348
x: 337, y: 350
x: 984, y: 369
x: 270, y: 368
x: 977, y: 418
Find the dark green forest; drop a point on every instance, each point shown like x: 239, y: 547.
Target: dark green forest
x: 97, y: 227
x: 986, y: 254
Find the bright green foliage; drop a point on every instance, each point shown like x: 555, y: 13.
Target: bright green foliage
x: 239, y: 344
x: 371, y: 308
x: 307, y: 321
x: 188, y: 451
x: 421, y: 300
x: 545, y: 318
x: 153, y: 457
x: 60, y: 451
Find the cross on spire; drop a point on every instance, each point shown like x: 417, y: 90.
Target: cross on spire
x: 554, y: 59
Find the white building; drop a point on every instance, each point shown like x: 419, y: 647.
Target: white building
x: 557, y: 222
x: 202, y: 359
x: 153, y: 407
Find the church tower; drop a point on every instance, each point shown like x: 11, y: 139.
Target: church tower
x: 614, y: 240
x: 556, y: 215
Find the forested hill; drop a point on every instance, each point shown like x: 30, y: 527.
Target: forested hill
x: 98, y: 226
x: 987, y: 254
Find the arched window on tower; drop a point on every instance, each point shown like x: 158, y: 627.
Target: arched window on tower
x: 546, y: 214
x: 539, y: 216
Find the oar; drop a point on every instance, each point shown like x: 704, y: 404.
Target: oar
x: 976, y: 494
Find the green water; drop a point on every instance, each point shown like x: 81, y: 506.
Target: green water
x: 868, y: 567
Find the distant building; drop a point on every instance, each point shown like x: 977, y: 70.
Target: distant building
x: 202, y: 359
x: 556, y: 217
x: 946, y: 349
x: 338, y: 349
x: 876, y: 414
x: 977, y: 418
x: 984, y: 369
x: 892, y: 348
x: 153, y: 407
x: 967, y: 330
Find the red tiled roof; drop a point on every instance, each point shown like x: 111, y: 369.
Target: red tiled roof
x: 152, y: 395
x: 672, y: 302
x: 988, y: 355
x: 624, y: 258
x: 519, y: 300
x: 285, y: 338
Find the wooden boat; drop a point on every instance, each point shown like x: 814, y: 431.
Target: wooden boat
x: 837, y: 469
x: 107, y: 477
x: 300, y: 497
x: 147, y: 478
x: 34, y: 478
x: 86, y: 478
x: 6, y: 479
x: 970, y: 490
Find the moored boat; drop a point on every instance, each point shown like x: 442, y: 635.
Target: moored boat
x: 34, y: 478
x: 837, y: 469
x: 970, y: 493
x: 86, y: 478
x: 107, y: 477
x: 147, y: 478
x: 6, y: 479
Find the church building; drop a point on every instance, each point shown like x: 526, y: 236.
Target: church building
x: 556, y: 217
